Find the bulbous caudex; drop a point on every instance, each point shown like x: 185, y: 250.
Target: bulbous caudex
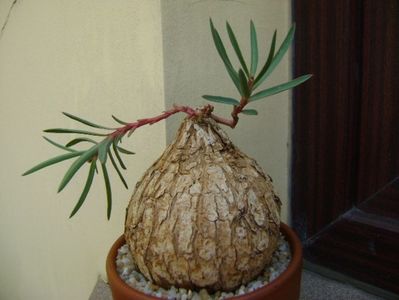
x: 204, y: 215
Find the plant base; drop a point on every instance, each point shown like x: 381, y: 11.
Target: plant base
x: 285, y: 287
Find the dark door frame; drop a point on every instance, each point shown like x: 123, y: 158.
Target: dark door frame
x: 335, y: 41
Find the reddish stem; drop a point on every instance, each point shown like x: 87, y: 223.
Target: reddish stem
x: 133, y: 126
x: 236, y: 110
x: 205, y: 111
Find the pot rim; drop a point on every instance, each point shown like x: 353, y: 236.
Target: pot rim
x: 286, y: 275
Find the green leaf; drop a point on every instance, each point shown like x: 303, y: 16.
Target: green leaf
x: 77, y: 164
x: 254, y: 50
x: 80, y: 140
x: 108, y: 190
x: 280, y: 88
x: 65, y: 130
x: 236, y: 47
x: 269, y: 58
x: 117, y: 169
x: 250, y: 112
x: 52, y: 161
x: 117, y: 139
x: 124, y: 151
x: 103, y: 150
x: 220, y: 99
x: 131, y: 132
x: 85, y: 122
x: 58, y: 145
x: 119, y: 121
x: 223, y: 54
x: 279, y: 55
x: 86, y: 188
x: 243, y: 84
x: 118, y: 156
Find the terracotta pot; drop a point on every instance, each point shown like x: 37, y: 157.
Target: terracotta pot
x: 285, y: 287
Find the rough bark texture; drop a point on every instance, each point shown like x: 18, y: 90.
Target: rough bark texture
x: 204, y: 215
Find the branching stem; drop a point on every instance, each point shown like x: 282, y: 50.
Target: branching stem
x: 205, y: 111
x: 149, y: 121
x: 236, y: 110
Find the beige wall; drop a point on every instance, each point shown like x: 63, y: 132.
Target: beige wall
x: 94, y: 59
x: 193, y: 68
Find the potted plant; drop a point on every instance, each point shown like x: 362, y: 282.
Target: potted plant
x: 204, y: 217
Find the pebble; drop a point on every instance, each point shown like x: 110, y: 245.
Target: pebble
x: 204, y: 294
x: 128, y: 272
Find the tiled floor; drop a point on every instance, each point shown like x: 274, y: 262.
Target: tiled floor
x: 314, y: 287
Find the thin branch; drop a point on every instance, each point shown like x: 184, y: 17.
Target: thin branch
x: 205, y: 111
x: 149, y: 121
x: 237, y: 109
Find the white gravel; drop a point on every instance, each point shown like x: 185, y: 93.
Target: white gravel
x: 129, y: 273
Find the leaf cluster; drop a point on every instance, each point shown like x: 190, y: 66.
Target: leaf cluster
x: 246, y: 78
x: 97, y: 152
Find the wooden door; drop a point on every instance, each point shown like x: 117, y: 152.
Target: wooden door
x: 345, y: 170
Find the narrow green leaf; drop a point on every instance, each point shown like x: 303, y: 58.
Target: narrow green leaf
x: 236, y: 47
x: 279, y: 55
x: 220, y: 99
x: 223, y: 54
x: 131, y: 132
x: 103, y: 150
x: 80, y: 140
x: 88, y: 123
x: 65, y: 130
x: 250, y: 112
x: 119, y: 121
x: 219, y: 45
x: 52, y: 161
x: 118, y: 156
x: 111, y: 157
x: 108, y: 190
x: 254, y: 50
x: 86, y: 188
x: 280, y: 88
x: 58, y: 145
x: 77, y: 164
x: 269, y: 58
x: 124, y: 151
x: 243, y: 84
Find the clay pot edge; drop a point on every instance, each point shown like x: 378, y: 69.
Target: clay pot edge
x: 295, y: 264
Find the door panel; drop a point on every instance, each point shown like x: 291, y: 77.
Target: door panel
x: 379, y: 136
x: 326, y: 114
x: 384, y: 203
x: 345, y: 170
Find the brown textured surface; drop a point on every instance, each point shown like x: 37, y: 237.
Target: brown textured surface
x: 204, y: 214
